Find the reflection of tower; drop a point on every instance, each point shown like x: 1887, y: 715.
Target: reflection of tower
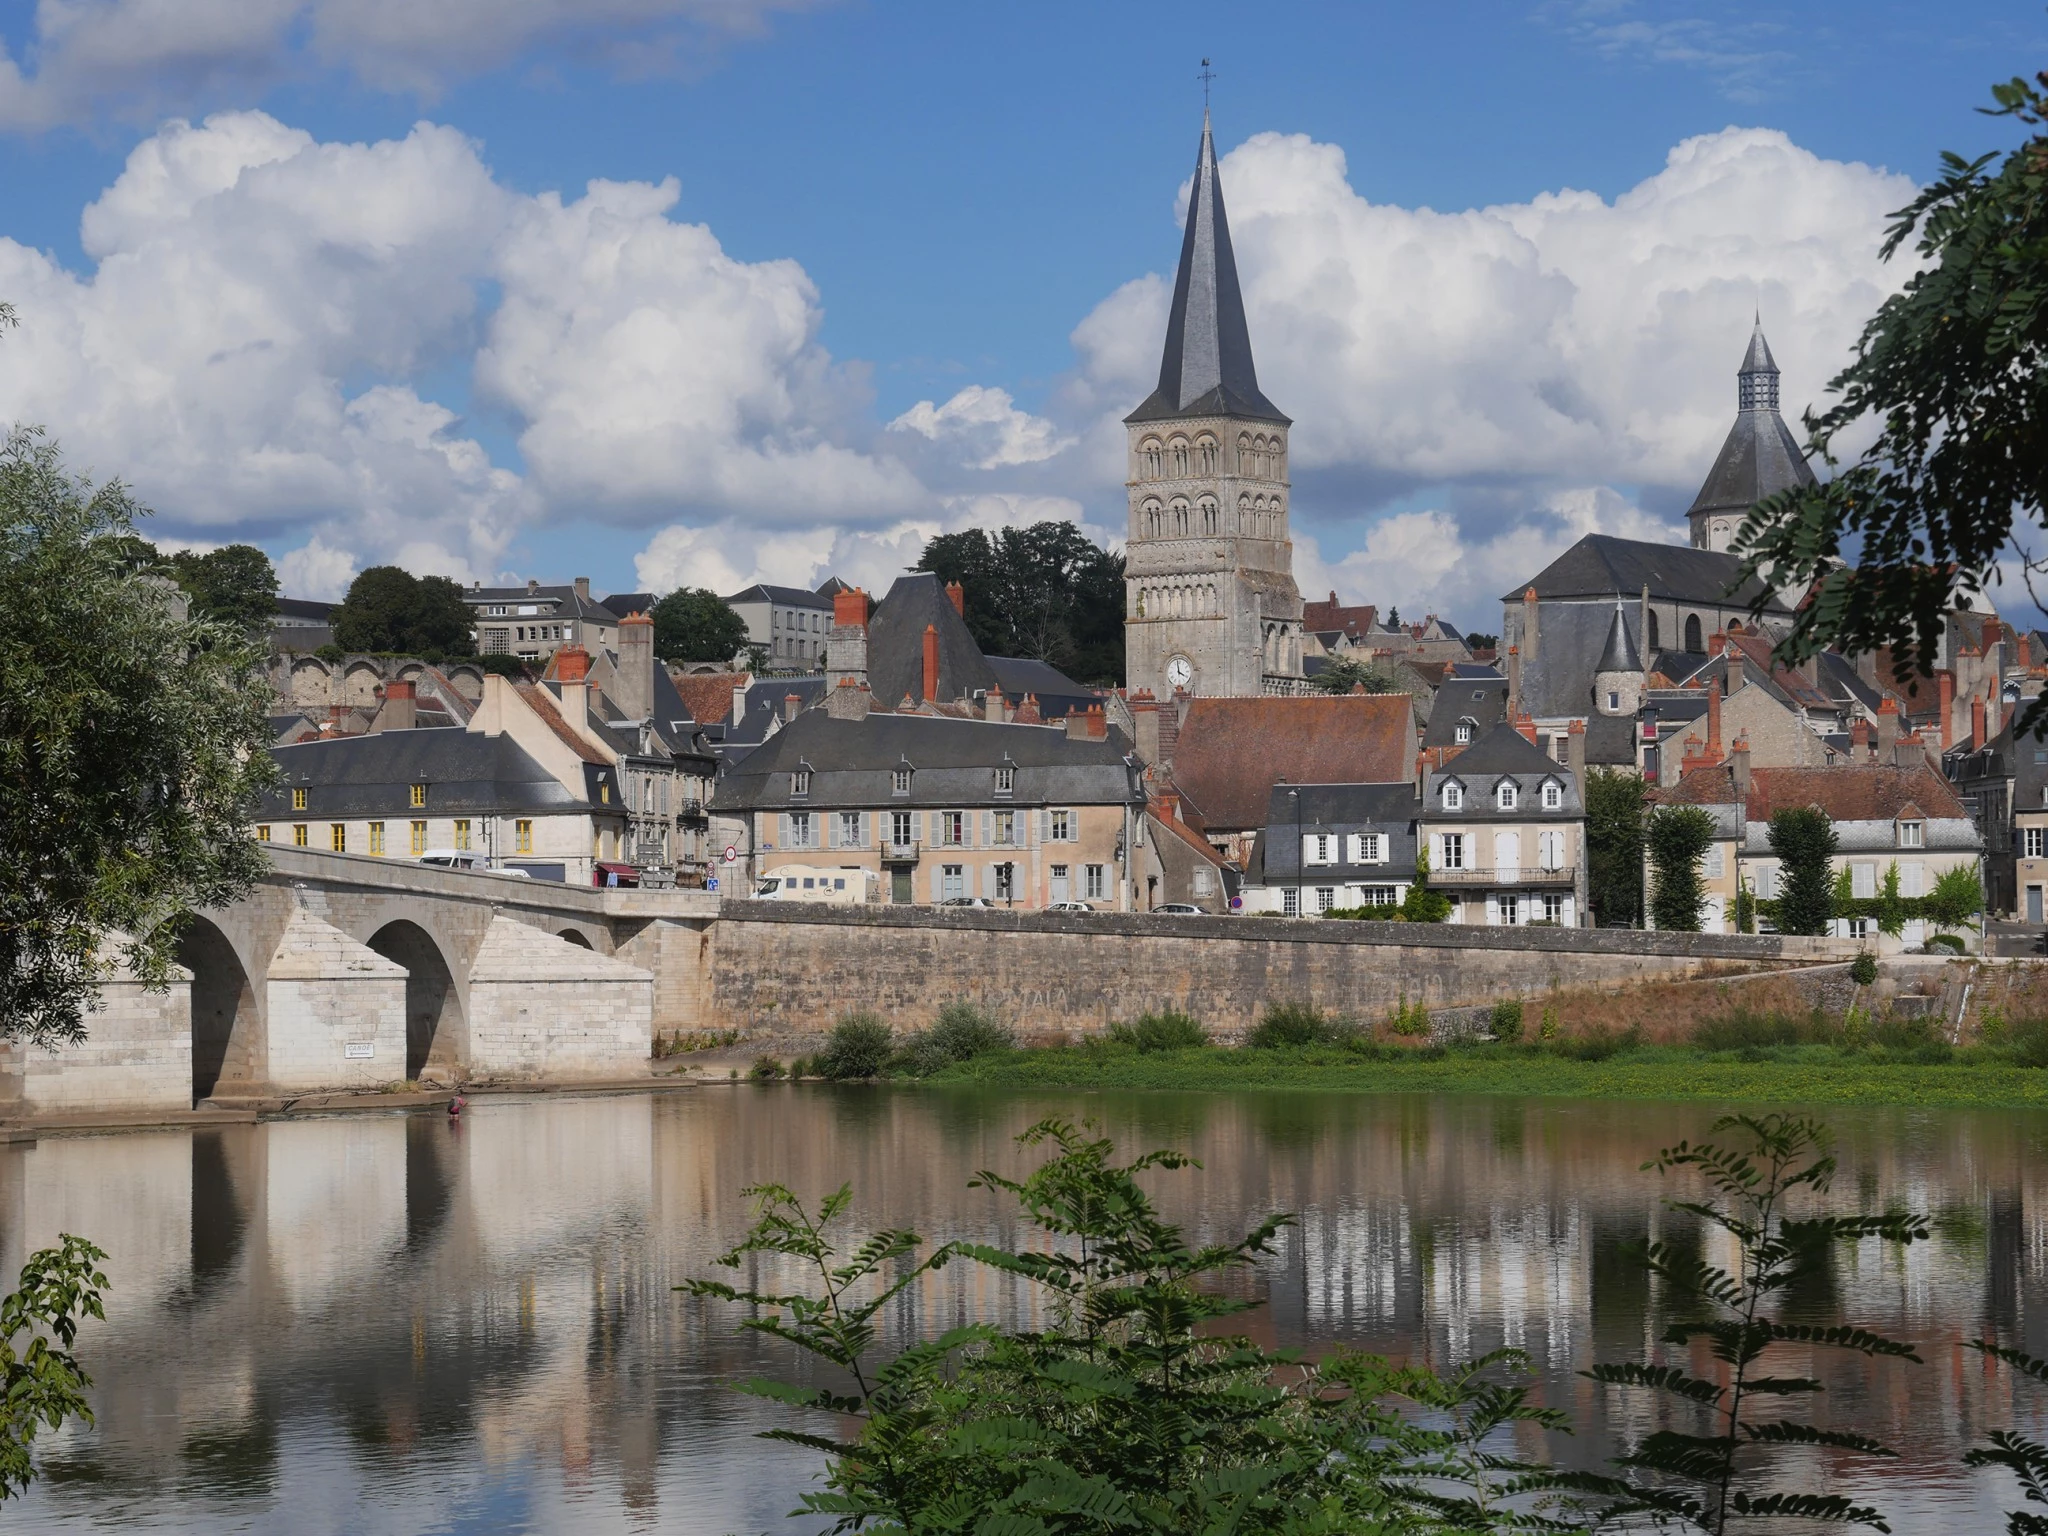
x: 1211, y: 605
x: 1760, y: 458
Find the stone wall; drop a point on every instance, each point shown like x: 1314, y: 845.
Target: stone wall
x: 543, y: 1008
x: 136, y: 1055
x: 788, y: 970
x: 336, y: 1011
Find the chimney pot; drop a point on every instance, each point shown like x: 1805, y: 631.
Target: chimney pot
x: 958, y: 596
x: 572, y: 664
x: 792, y: 706
x: 850, y: 609
x: 1947, y: 681
x: 583, y: 588
x: 931, y: 663
x: 532, y: 585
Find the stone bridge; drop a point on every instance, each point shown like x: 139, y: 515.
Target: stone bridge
x: 343, y: 972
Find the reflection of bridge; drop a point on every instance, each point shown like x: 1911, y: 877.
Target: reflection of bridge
x: 347, y: 972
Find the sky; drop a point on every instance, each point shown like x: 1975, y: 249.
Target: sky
x: 704, y: 292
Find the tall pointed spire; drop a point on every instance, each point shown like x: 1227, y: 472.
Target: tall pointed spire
x: 1756, y: 382
x: 1206, y: 369
x: 1760, y: 457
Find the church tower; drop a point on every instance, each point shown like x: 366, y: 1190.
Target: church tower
x: 1760, y: 458
x: 1211, y: 606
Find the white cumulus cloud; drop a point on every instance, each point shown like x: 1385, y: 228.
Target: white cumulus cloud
x: 985, y: 428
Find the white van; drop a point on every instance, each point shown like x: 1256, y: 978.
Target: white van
x: 804, y: 882
x: 469, y: 859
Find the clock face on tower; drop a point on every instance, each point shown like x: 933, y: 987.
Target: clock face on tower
x: 1180, y: 672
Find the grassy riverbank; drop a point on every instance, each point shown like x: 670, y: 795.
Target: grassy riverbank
x: 1792, y: 1075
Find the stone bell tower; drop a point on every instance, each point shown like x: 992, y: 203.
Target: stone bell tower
x: 1211, y: 606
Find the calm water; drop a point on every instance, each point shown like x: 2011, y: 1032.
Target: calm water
x: 387, y: 1323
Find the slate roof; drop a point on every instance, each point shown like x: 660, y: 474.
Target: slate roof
x: 953, y: 764
x: 896, y: 644
x: 1231, y: 752
x: 1760, y: 456
x: 1502, y: 753
x: 1206, y: 368
x: 766, y: 700
x: 348, y: 776
x: 1389, y: 809
x: 1610, y: 741
x: 566, y: 604
x: 1620, y: 653
x: 782, y: 597
x: 1602, y: 566
x: 1058, y: 694
x: 623, y: 603
x: 1570, y: 637
x: 1482, y: 700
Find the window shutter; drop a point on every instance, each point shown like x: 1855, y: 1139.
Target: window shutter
x: 1044, y: 819
x: 831, y: 830
x: 866, y: 822
x: 935, y: 883
x: 782, y: 830
x: 988, y: 832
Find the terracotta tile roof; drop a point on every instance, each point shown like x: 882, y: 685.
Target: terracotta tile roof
x: 1173, y: 825
x: 1756, y: 651
x: 708, y: 695
x: 1851, y: 792
x: 1231, y: 752
x: 545, y: 705
x: 1333, y: 615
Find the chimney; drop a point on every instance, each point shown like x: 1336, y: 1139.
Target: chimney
x: 1027, y: 712
x: 583, y: 589
x: 1168, y: 803
x: 1977, y: 736
x: 1514, y: 678
x: 1526, y: 725
x: 1860, y: 740
x: 931, y: 663
x: 635, y: 672
x: 572, y: 665
x: 1529, y: 623
x: 850, y: 608
x: 1887, y: 726
x: 846, y: 648
x: 1739, y: 758
x: 1714, y: 724
x: 1717, y: 642
x: 532, y: 585
x: 792, y: 706
x: 1575, y: 751
x: 1947, y: 682
x: 1145, y: 726
x: 2026, y: 645
x: 400, y: 708
x: 992, y: 707
x: 1173, y: 714
x: 739, y: 701
x: 572, y: 672
x: 1736, y: 677
x: 1088, y: 724
x: 958, y: 595
x: 849, y: 701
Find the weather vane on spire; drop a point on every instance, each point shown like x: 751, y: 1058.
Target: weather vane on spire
x: 1205, y: 77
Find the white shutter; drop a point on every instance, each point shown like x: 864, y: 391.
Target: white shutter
x: 1863, y: 880
x: 782, y: 830
x: 1911, y: 880
x: 831, y: 829
x: 988, y: 831
x: 866, y: 823
x: 936, y: 890
x: 1044, y: 826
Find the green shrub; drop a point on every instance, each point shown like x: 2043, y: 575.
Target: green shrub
x: 1596, y: 1044
x: 1547, y: 1030
x: 1952, y: 942
x: 1285, y: 1024
x: 1804, y: 841
x: 965, y: 1031
x: 1171, y: 1030
x: 766, y: 1069
x: 1507, y: 1019
x: 1863, y: 969
x: 1408, y: 1019
x: 1744, y: 1029
x: 2030, y: 1042
x: 859, y: 1046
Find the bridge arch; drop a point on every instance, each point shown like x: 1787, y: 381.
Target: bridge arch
x: 575, y: 936
x: 436, y: 1033
x: 226, y: 1027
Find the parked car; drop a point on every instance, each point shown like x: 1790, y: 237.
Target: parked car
x: 1179, y: 909
x: 967, y: 901
x: 1069, y: 906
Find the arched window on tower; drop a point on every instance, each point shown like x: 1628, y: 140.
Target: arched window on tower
x: 1279, y: 460
x: 1180, y: 456
x: 1206, y: 452
x: 1151, y: 520
x: 1244, y: 453
x: 1180, y: 519
x: 1244, y: 517
x: 1152, y: 458
x: 1655, y: 643
x: 1693, y: 642
x: 1209, y: 514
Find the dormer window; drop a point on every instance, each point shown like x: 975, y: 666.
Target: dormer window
x: 800, y: 782
x: 1912, y: 834
x: 1553, y: 795
x: 1507, y: 797
x: 1463, y: 735
x: 1453, y: 795
x: 899, y: 781
x: 1006, y: 780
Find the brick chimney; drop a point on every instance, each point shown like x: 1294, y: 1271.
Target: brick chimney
x: 583, y: 589
x: 2026, y: 649
x: 1977, y: 731
x: 1947, y: 684
x: 399, y: 710
x: 1887, y: 726
x: 931, y: 663
x: 1739, y: 761
x: 572, y: 664
x: 850, y: 700
x: 1575, y: 750
x: 1714, y: 723
x: 846, y: 648
x: 1526, y: 725
x: 635, y: 672
x: 958, y: 595
x: 1027, y: 712
x: 850, y: 608
x: 792, y: 706
x: 1145, y: 726
x: 1717, y: 642
x: 1528, y: 646
x: 1514, y: 678
x: 1861, y: 741
x: 1088, y: 724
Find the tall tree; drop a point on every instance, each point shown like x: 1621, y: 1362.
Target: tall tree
x: 1615, y: 805
x: 696, y: 624
x: 389, y: 609
x: 234, y: 584
x: 1678, y: 837
x: 1952, y: 375
x: 1347, y: 672
x: 1046, y: 592
x: 1803, y: 841
x: 132, y: 750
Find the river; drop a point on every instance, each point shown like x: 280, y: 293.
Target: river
x: 386, y: 1323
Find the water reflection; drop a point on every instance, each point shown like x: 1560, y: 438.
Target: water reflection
x: 393, y: 1322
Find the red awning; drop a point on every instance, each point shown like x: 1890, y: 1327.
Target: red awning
x: 618, y: 869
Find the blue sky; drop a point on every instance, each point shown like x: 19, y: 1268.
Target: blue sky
x: 909, y: 201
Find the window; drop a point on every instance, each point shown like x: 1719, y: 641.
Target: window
x: 298, y: 799
x: 1692, y: 634
x: 1613, y: 700
x: 1368, y: 848
x: 1290, y: 902
x: 1319, y: 848
x: 462, y: 836
x: 1205, y: 880
x: 800, y: 832
x: 1910, y: 834
x: 419, y: 795
x: 952, y: 882
x: 1767, y: 882
x: 1862, y: 882
x: 1006, y: 829
x: 1463, y: 734
x: 1856, y: 927
x: 1550, y: 850
x: 1655, y: 643
x: 899, y: 782
x: 1062, y: 823
x: 953, y: 828
x: 1326, y: 897
x: 1553, y: 795
x: 337, y: 837
x: 1506, y: 796
x: 1716, y: 862
x: 849, y: 829
x: 263, y: 833
x: 1006, y: 780
x: 377, y: 838
x: 1510, y: 906
x: 419, y: 838
x: 1553, y: 908
x: 1094, y: 881
x: 899, y: 829
x: 299, y: 835
x: 800, y: 782
x: 2033, y: 842
x: 1454, y: 796
x: 1454, y: 850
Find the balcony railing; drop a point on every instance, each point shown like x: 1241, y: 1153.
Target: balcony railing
x: 1522, y: 875
x: 901, y: 853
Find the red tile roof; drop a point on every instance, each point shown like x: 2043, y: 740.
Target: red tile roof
x: 1325, y: 616
x: 1231, y: 752
x: 1850, y: 792
x: 549, y: 709
x: 708, y: 695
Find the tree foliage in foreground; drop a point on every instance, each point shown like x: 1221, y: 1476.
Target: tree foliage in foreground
x: 1952, y: 372
x: 2023, y: 1456
x: 1047, y: 592
x: 132, y: 750
x: 1803, y: 841
x: 41, y: 1383
x: 1128, y: 1411
x: 1706, y: 1479
x: 1616, y: 804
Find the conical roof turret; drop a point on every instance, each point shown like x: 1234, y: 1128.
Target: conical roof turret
x: 1206, y: 369
x: 1619, y: 654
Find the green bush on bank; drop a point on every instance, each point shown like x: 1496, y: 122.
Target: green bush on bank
x: 1169, y: 1030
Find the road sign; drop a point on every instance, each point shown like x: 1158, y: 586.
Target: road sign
x: 731, y: 854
